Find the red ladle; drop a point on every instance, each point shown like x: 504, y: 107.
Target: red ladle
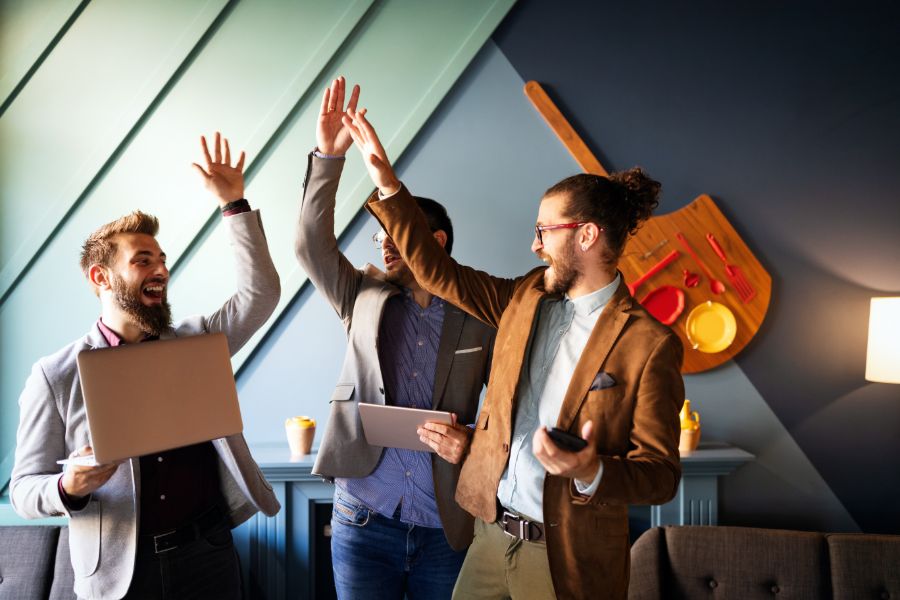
x: 715, y: 286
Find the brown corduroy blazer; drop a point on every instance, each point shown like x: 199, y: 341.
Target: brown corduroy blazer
x: 635, y: 421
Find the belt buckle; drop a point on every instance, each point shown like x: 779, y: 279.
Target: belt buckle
x: 523, y: 526
x: 161, y: 537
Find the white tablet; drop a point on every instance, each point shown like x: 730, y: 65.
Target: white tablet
x: 395, y: 426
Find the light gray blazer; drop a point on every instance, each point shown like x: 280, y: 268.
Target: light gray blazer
x: 103, y: 536
x: 358, y: 297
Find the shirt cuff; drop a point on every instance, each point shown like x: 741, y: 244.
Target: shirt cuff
x: 383, y: 197
x: 588, y: 490
x: 318, y: 154
x: 72, y: 504
x: 236, y: 207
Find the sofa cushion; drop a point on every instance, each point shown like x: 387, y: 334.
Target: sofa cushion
x: 63, y: 587
x: 742, y: 563
x: 26, y: 560
x: 864, y: 566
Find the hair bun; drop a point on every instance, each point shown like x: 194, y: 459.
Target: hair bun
x: 641, y: 194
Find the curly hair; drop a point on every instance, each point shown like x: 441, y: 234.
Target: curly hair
x: 618, y: 203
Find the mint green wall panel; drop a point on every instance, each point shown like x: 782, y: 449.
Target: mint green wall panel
x: 406, y: 56
x: 27, y: 29
x: 79, y: 106
x: 257, y: 77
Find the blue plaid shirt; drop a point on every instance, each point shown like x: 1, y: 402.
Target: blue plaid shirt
x: 409, y: 337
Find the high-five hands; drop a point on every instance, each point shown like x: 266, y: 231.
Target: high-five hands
x: 332, y: 136
x: 450, y: 442
x: 582, y: 465
x: 224, y: 181
x: 374, y: 156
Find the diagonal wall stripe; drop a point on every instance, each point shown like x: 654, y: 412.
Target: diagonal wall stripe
x: 249, y: 79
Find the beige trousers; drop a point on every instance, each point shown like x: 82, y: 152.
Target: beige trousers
x: 501, y: 566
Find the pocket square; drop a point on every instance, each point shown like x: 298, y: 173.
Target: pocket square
x: 602, y: 381
x: 469, y: 350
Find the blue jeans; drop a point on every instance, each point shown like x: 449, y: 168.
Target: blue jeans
x: 376, y: 557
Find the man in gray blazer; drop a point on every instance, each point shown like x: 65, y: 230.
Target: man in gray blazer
x: 396, y: 529
x: 157, y: 526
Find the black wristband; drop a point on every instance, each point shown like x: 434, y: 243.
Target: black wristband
x: 240, y: 204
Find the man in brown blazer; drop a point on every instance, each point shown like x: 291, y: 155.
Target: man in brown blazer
x: 574, y: 350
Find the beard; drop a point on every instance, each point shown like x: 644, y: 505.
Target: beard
x: 400, y: 275
x: 565, y: 271
x: 152, y: 320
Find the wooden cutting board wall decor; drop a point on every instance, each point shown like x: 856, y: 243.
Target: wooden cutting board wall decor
x: 689, y: 268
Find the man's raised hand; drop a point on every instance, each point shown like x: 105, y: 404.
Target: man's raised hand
x: 332, y: 136
x: 373, y: 153
x: 224, y: 181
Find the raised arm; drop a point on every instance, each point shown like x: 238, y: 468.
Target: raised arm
x: 483, y: 296
x: 259, y: 286
x: 315, y: 244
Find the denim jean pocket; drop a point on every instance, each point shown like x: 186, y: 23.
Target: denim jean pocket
x: 348, y: 511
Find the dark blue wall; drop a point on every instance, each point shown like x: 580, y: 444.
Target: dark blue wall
x: 789, y: 116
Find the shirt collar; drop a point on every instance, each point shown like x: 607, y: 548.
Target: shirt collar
x: 589, y: 303
x: 114, y: 339
x: 435, y: 301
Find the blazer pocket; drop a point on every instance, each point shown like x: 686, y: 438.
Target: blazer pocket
x: 342, y: 392
x: 84, y: 539
x: 468, y: 350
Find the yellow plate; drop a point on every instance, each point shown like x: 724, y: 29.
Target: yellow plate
x: 711, y: 327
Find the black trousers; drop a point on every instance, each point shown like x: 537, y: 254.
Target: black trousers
x: 203, y: 569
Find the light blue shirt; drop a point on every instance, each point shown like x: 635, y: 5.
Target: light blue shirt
x: 557, y: 341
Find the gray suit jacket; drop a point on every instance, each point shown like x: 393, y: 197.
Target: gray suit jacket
x: 52, y: 424
x: 358, y: 297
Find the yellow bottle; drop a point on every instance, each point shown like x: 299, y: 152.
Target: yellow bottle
x: 690, y: 420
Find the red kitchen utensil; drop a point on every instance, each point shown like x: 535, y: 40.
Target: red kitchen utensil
x: 690, y: 279
x: 715, y: 286
x: 662, y: 264
x: 665, y: 303
x: 735, y: 275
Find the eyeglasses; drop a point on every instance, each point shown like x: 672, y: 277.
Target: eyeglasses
x: 378, y: 238
x: 540, y: 229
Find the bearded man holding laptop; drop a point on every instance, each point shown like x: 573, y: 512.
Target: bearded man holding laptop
x: 159, y: 525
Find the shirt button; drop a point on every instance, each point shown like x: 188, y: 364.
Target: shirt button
x: 775, y: 589
x: 408, y: 473
x: 159, y: 459
x: 420, y: 342
x: 415, y: 373
x: 562, y: 331
x: 713, y: 584
x: 162, y: 497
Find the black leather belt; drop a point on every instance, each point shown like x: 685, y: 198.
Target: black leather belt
x: 187, y: 533
x: 518, y: 526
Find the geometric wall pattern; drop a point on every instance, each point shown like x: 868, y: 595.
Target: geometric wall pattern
x: 104, y: 104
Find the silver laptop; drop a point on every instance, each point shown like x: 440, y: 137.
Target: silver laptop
x: 156, y: 396
x: 395, y: 426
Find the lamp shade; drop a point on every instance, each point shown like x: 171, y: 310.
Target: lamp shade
x: 883, y: 352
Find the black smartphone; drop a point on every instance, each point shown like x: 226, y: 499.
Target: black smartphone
x: 565, y: 440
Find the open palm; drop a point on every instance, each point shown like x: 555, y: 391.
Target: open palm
x: 332, y: 137
x: 224, y: 181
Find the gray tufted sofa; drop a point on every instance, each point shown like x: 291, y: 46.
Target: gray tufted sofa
x: 34, y: 563
x: 744, y: 563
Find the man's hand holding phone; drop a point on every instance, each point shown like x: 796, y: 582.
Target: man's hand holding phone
x: 580, y: 464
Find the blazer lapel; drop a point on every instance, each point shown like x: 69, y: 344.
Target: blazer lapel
x: 606, y: 331
x: 450, y: 333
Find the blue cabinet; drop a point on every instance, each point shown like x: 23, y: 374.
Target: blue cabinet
x: 287, y: 556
